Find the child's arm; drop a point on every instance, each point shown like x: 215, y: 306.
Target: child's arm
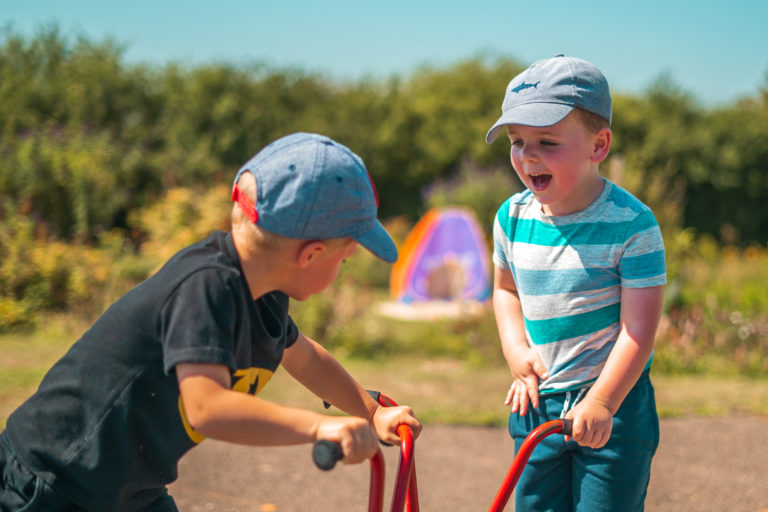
x: 216, y: 411
x: 313, y: 366
x: 640, y: 314
x: 524, y: 364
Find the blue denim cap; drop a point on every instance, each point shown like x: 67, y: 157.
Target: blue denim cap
x: 313, y: 188
x: 549, y: 90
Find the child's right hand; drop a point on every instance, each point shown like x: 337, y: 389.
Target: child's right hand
x: 592, y: 423
x: 386, y: 420
x: 355, y: 435
x: 526, y: 368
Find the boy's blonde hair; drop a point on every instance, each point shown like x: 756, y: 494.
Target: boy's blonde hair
x: 260, y: 238
x: 591, y: 121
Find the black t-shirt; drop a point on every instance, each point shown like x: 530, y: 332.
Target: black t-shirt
x: 106, y: 428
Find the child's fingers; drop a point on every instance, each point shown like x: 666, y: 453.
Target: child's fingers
x: 532, y: 385
x: 409, y: 418
x: 597, y: 439
x: 518, y: 405
x: 522, y: 399
x: 387, y: 419
x: 514, y: 397
x: 510, y: 394
x: 539, y: 368
x: 522, y: 393
x: 357, y: 439
x: 594, y: 437
x: 576, y: 427
x: 590, y: 434
x: 363, y: 446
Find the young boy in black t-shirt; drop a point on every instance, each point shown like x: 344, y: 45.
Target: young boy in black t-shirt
x: 181, y: 357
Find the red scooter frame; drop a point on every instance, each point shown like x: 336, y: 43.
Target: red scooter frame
x: 523, y: 454
x: 327, y: 453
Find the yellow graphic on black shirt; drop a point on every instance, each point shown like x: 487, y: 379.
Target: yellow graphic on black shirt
x: 250, y: 380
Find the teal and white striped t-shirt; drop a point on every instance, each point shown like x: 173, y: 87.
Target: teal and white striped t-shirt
x: 569, y: 271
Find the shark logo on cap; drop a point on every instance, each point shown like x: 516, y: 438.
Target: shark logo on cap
x: 523, y: 86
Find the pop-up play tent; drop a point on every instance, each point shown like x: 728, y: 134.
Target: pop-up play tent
x: 444, y: 258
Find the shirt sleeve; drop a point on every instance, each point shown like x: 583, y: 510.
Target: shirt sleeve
x: 198, y: 322
x: 642, y: 264
x: 501, y: 238
x: 291, y: 333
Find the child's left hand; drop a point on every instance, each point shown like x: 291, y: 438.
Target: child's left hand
x: 592, y: 423
x: 387, y: 419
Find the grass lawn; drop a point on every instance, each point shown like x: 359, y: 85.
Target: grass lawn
x: 439, y: 390
x: 25, y: 357
x: 452, y: 392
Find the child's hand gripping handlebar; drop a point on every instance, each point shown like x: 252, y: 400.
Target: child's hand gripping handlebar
x: 326, y: 453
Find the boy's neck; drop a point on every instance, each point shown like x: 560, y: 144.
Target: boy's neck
x: 262, y: 272
x: 586, y: 195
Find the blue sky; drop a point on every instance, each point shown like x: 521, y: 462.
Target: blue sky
x: 714, y: 50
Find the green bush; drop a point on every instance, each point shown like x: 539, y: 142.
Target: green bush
x: 15, y: 314
x: 108, y: 169
x: 180, y: 218
x: 717, y: 312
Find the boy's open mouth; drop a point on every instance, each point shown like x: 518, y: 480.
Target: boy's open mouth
x: 540, y: 181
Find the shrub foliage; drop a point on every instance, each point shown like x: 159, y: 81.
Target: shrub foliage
x: 106, y: 169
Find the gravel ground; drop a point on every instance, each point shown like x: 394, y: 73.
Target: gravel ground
x: 702, y: 465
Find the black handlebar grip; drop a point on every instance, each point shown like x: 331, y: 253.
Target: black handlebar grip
x: 326, y: 454
x: 567, y: 427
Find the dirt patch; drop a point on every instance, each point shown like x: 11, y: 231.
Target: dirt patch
x: 703, y: 464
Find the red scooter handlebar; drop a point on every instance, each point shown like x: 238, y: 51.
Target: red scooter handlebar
x: 523, y: 454
x: 326, y: 453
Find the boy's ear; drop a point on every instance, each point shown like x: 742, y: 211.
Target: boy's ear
x: 602, y: 145
x: 309, y: 251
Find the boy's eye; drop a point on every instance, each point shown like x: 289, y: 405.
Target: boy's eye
x: 517, y: 142
x: 548, y: 143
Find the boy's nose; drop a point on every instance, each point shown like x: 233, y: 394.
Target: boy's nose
x: 530, y: 154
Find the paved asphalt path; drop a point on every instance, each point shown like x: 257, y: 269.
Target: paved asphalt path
x: 718, y: 465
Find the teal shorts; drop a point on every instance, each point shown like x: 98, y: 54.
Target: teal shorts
x: 562, y: 476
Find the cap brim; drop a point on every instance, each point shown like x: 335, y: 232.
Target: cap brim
x: 378, y: 241
x: 530, y: 114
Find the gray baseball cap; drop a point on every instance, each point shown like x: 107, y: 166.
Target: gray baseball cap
x: 549, y: 90
x: 313, y: 188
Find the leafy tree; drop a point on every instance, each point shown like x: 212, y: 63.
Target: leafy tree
x: 86, y: 140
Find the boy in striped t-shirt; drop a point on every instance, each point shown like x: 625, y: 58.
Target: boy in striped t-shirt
x: 578, y: 291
